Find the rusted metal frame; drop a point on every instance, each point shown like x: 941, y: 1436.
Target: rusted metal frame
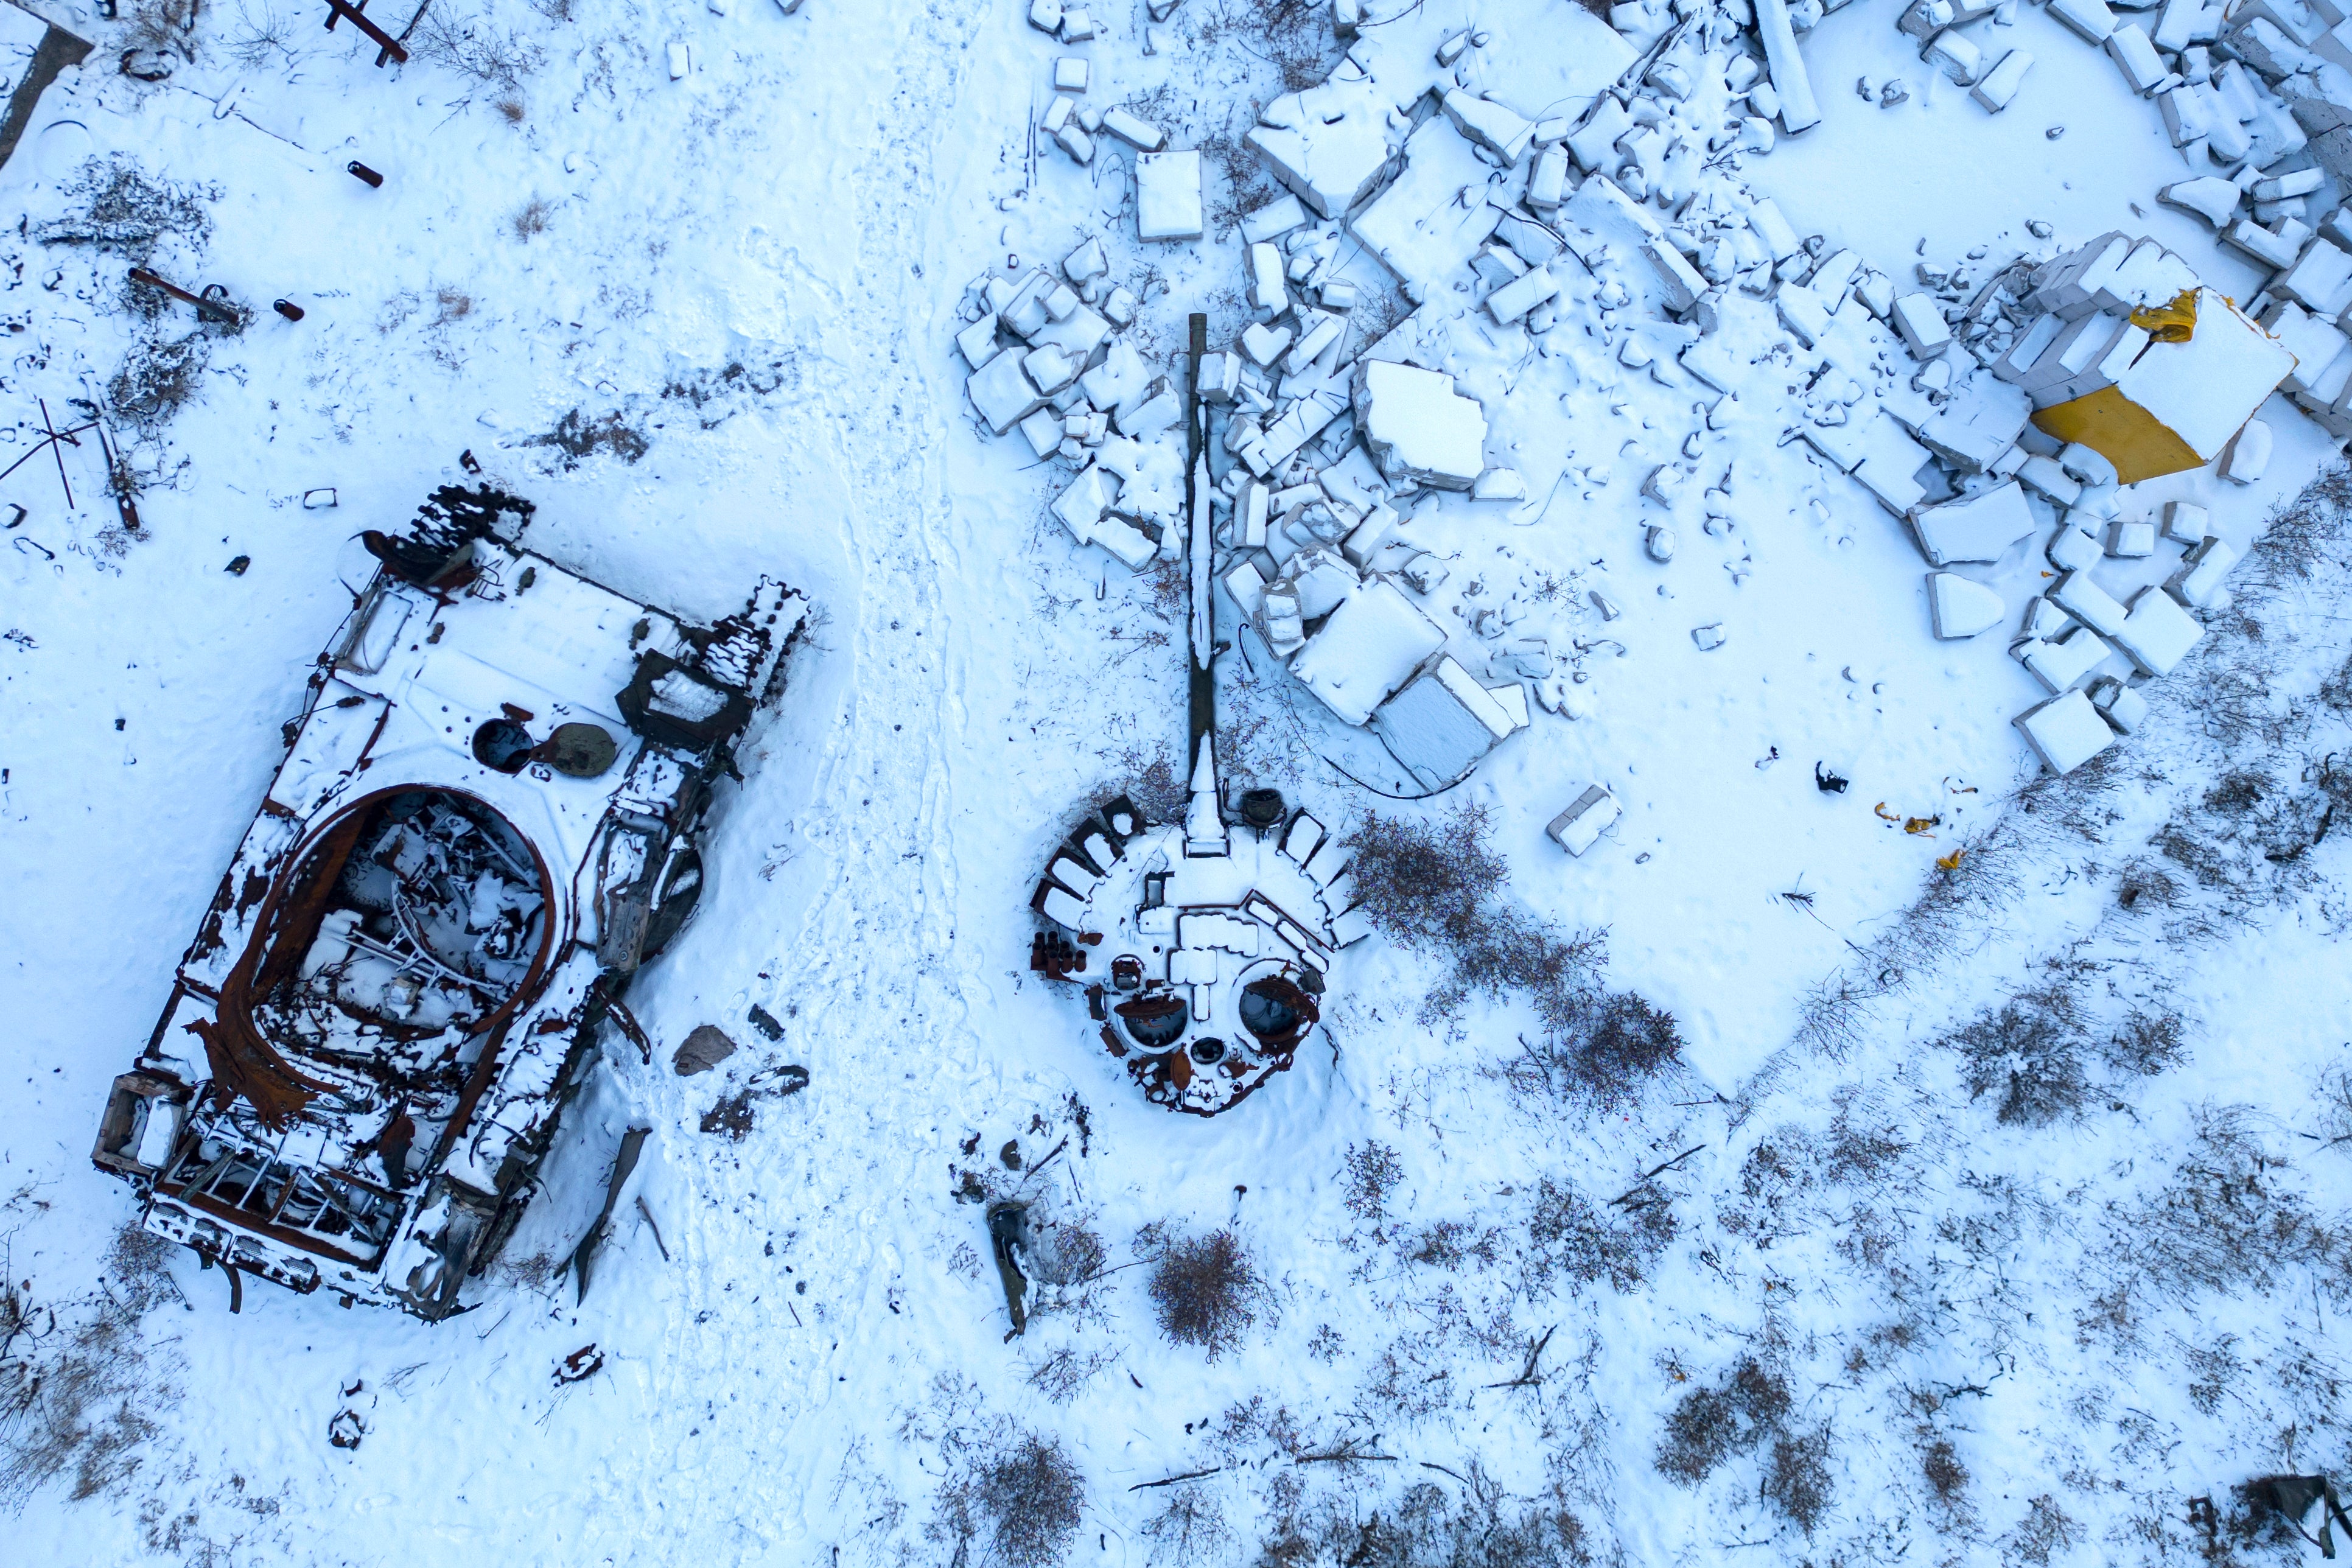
x: 388, y: 46
x: 303, y: 1241
x: 211, y: 310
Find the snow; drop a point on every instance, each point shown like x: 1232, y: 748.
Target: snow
x: 738, y: 342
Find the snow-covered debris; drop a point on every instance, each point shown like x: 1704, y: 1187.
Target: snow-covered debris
x: 1443, y: 722
x: 1960, y: 607
x: 2065, y: 732
x: 1168, y: 195
x: 1590, y: 813
x: 1792, y: 87
x: 1328, y: 143
x: 1419, y: 429
x: 1980, y: 527
x: 2202, y: 571
x: 2178, y: 403
x: 2158, y: 634
x: 1373, y: 641
x: 1997, y: 89
x: 2061, y: 662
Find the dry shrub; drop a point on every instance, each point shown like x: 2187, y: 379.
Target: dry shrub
x: 1423, y: 1528
x: 1373, y: 1173
x: 2030, y: 1048
x: 1797, y: 1475
x: 532, y: 219
x: 124, y: 212
x: 1947, y: 1476
x: 1205, y: 1289
x: 2226, y: 1222
x: 1189, y: 1529
x: 1568, y: 1234
x: 2044, y: 1532
x: 1064, y: 1374
x: 74, y: 1387
x: 1021, y: 1498
x: 1436, y: 885
x: 1710, y: 1424
x: 474, y: 48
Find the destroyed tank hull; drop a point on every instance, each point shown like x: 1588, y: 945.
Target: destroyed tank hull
x: 485, y: 822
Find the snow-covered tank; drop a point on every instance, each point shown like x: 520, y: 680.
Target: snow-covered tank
x: 485, y: 822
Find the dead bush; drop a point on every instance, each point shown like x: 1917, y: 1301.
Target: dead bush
x: 1568, y: 1234
x: 1019, y: 1495
x: 1421, y: 1527
x: 475, y: 47
x: 1190, y: 1528
x: 156, y: 380
x: 1450, y: 1243
x: 1205, y: 1289
x: 123, y: 212
x: 2225, y: 1222
x: 1797, y: 1475
x: 1947, y: 1476
x: 2030, y: 1048
x: 1373, y: 1173
x: 1065, y: 1372
x: 1709, y: 1425
x: 532, y: 221
x: 2046, y: 1532
x: 74, y: 1385
x: 261, y: 37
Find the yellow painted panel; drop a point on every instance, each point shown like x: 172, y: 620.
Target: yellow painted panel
x: 2121, y: 432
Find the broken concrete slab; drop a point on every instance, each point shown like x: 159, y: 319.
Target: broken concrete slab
x: 1001, y: 390
x: 1580, y: 828
x: 703, y: 1049
x: 2065, y: 732
x: 1961, y: 607
x: 2158, y: 634
x: 1168, y: 195
x: 1417, y: 428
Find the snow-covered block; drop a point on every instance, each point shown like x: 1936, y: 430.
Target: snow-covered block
x: 1440, y: 723
x: 2135, y: 55
x: 2185, y: 522
x: 1920, y: 320
x: 1960, y: 607
x: 2158, y: 634
x: 1220, y: 378
x: 1982, y: 418
x: 1070, y: 74
x: 1955, y: 54
x: 1246, y: 584
x: 2091, y: 18
x: 1595, y: 143
x: 1329, y: 143
x: 1081, y: 507
x: 2178, y: 404
x: 1517, y: 298
x: 2088, y: 602
x: 1803, y: 312
x: 1133, y: 130
x: 1003, y: 392
x: 1367, y: 538
x: 1980, y: 527
x: 1417, y: 225
x: 2202, y: 573
x: 1075, y: 139
x: 682, y: 60
x: 2050, y: 481
x: 1368, y: 648
x: 2314, y: 343
x: 2064, y: 661
x: 1076, y: 26
x: 1045, y: 15
x: 1777, y: 235
x: 1269, y: 288
x: 1050, y: 369
x: 1890, y: 464
x: 977, y: 341
x: 1150, y: 416
x: 1547, y: 183
x: 2133, y: 541
x: 2123, y: 707
x: 2032, y: 343
x: 1322, y: 329
x: 1168, y: 195
x: 2320, y: 279
x: 1263, y: 344
x: 1043, y: 431
x: 1997, y: 89
x: 1578, y: 827
x: 2073, y: 549
x: 1417, y: 428
x: 1272, y: 221
x: 1682, y: 284
x: 2065, y: 732
x: 2044, y: 620
x: 1063, y: 907
x: 2248, y: 454
x: 1799, y: 110
x: 2209, y: 196
x: 1502, y: 131
x: 2269, y: 248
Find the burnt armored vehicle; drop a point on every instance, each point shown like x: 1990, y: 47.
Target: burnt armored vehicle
x: 485, y: 822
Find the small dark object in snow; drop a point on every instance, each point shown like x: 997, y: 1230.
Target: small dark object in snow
x: 580, y: 1365
x: 1827, y: 782
x: 360, y: 171
x: 467, y: 461
x: 731, y: 1116
x: 346, y: 1429
x: 147, y: 65
x: 705, y: 1049
x: 765, y: 1022
x: 2054, y: 133
x: 236, y: 567
x: 1011, y: 1153
x: 288, y: 309
x: 1262, y: 807
x: 319, y: 500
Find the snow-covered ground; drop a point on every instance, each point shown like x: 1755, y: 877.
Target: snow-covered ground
x: 2001, y: 1206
